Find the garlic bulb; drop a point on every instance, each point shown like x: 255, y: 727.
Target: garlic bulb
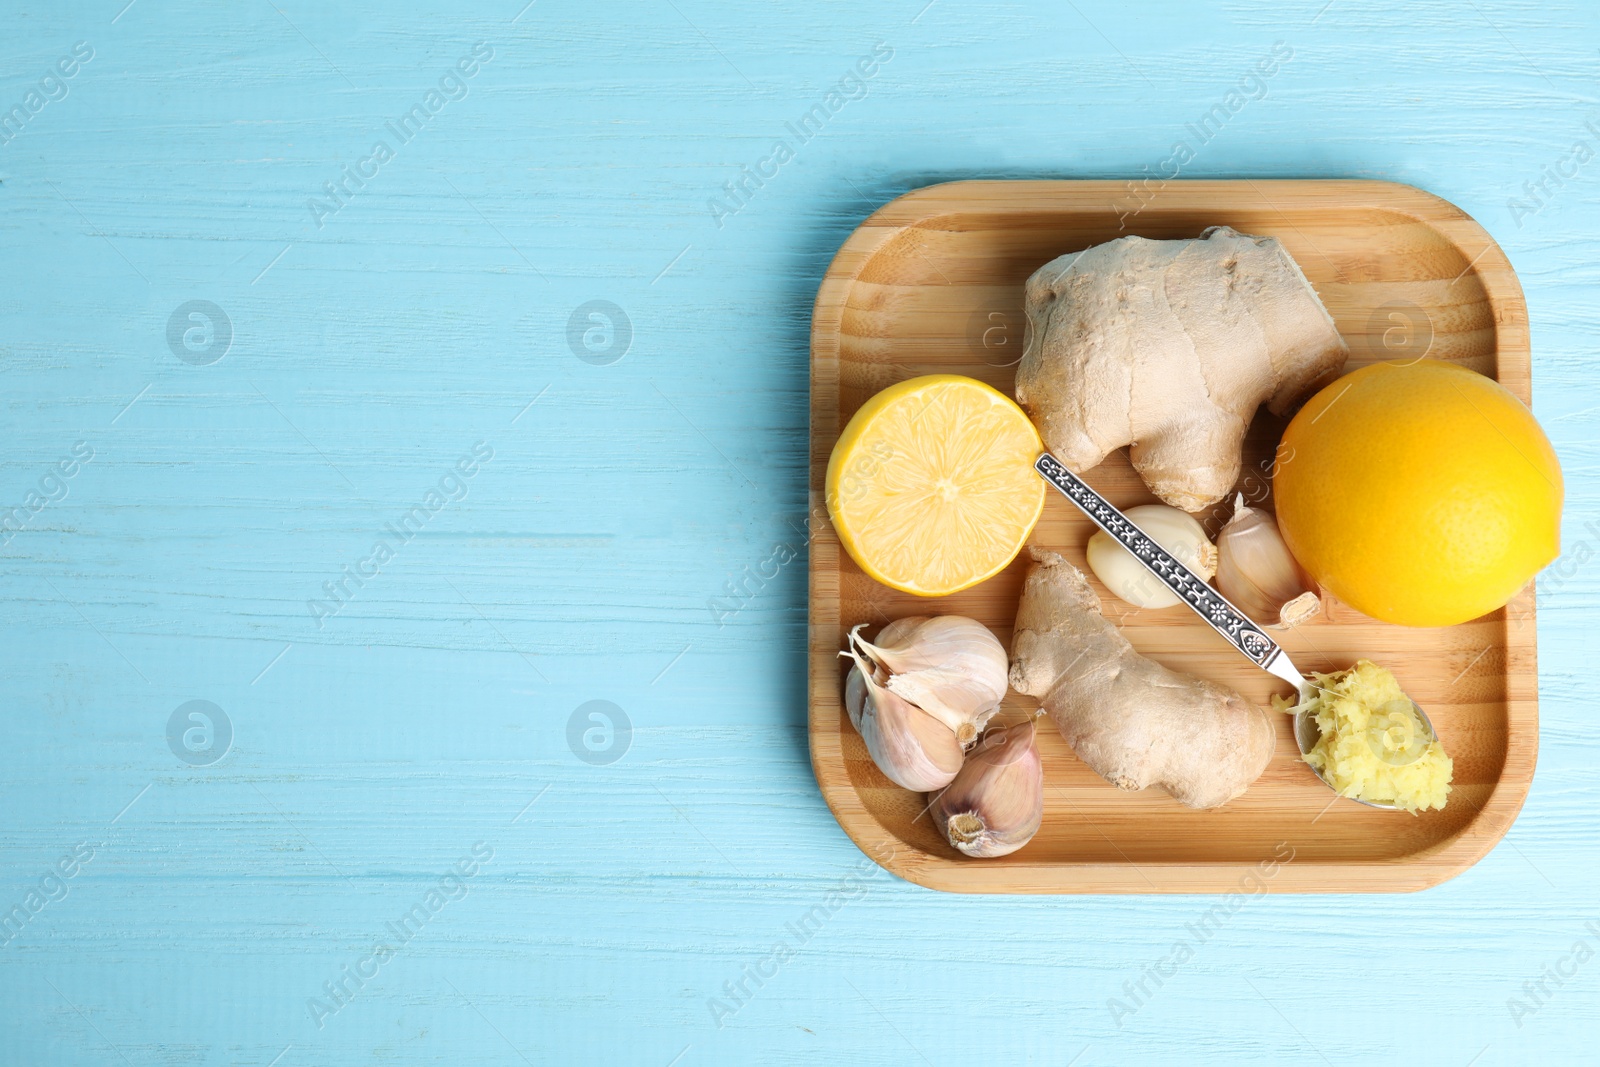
x: 950, y: 666
x: 913, y: 748
x: 1256, y: 571
x: 994, y: 806
x: 1176, y: 531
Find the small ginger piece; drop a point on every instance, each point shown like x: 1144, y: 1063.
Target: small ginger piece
x: 1133, y: 721
x: 1170, y: 346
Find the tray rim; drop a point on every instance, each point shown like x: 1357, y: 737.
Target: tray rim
x: 1445, y: 859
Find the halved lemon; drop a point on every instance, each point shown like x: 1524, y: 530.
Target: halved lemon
x: 931, y: 486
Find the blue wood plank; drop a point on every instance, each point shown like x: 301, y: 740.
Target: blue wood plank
x: 397, y: 769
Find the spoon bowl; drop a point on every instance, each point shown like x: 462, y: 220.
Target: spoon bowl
x: 1307, y: 734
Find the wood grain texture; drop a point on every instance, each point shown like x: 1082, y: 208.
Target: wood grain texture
x: 425, y: 315
x: 901, y: 299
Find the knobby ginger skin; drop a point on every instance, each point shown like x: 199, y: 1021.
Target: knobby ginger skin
x: 1373, y: 745
x: 1169, y: 346
x: 1131, y: 720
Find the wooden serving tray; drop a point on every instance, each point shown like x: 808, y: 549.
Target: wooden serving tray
x: 932, y: 282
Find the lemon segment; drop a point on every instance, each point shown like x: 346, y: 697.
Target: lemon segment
x: 931, y: 486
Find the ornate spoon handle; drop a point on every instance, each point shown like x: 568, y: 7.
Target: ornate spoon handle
x: 1209, y: 604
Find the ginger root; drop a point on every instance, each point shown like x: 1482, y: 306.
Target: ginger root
x: 1134, y: 722
x: 1170, y: 346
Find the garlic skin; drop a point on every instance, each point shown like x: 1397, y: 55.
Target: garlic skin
x: 914, y: 749
x: 950, y: 666
x: 994, y: 806
x: 1256, y: 571
x: 1176, y: 531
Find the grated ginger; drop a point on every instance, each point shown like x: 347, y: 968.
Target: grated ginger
x: 1373, y: 745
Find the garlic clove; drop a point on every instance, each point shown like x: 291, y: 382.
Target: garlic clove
x: 1256, y: 571
x: 995, y: 804
x: 950, y: 666
x: 1305, y: 606
x: 1176, y: 531
x: 911, y: 747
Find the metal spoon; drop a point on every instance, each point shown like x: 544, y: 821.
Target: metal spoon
x: 1233, y: 624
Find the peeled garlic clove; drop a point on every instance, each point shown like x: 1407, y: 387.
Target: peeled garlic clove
x: 950, y: 666
x: 913, y: 748
x: 994, y: 806
x: 1176, y: 531
x: 1256, y: 571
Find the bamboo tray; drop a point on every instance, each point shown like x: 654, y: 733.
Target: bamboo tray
x: 932, y: 282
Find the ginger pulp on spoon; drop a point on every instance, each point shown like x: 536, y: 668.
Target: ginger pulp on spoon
x: 1374, y: 746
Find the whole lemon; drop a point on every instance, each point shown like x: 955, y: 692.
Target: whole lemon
x: 1419, y: 493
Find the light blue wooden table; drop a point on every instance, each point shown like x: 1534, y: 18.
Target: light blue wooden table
x: 334, y: 439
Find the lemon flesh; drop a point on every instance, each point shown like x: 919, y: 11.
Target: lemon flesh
x: 931, y: 486
x: 1419, y: 493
